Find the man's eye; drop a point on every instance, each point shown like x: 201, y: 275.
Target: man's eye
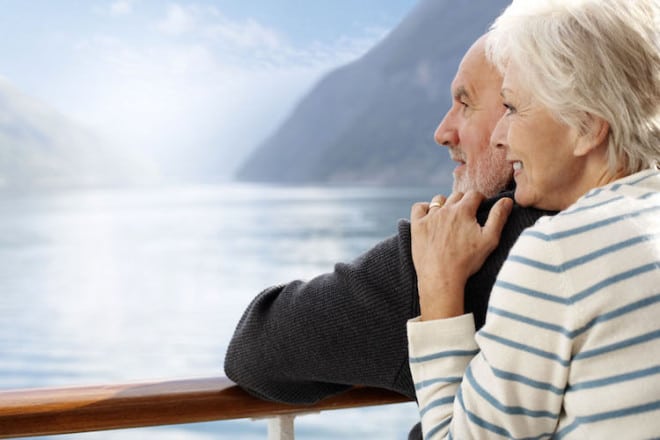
x: 464, y: 104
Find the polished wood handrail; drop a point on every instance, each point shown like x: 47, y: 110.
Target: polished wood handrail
x: 95, y: 408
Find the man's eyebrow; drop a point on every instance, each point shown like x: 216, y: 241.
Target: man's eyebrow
x: 461, y: 92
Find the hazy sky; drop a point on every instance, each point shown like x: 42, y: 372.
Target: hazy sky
x: 175, y: 79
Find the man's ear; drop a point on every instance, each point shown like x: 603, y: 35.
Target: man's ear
x: 594, y: 135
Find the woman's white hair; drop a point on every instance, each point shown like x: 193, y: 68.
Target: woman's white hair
x: 585, y: 58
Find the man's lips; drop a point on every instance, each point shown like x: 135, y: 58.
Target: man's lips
x: 459, y: 165
x: 460, y: 162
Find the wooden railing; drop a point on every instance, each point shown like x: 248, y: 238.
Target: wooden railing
x: 95, y: 408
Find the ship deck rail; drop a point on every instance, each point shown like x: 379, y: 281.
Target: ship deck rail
x: 77, y: 409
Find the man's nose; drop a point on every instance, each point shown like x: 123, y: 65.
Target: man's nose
x: 446, y: 134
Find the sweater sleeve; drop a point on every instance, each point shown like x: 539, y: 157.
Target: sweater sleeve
x: 509, y: 380
x: 437, y: 367
x: 303, y: 341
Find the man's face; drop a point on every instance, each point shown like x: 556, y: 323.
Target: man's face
x: 467, y: 126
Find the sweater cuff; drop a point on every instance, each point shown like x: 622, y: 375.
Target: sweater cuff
x: 425, y: 337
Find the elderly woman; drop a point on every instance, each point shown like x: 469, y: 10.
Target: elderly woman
x: 571, y: 344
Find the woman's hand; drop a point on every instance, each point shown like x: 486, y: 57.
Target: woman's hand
x: 449, y: 245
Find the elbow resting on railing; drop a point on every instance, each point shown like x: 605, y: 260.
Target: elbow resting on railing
x: 96, y: 408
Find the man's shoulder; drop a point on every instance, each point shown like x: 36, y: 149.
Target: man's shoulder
x: 519, y: 214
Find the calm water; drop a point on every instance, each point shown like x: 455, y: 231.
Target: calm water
x: 101, y: 286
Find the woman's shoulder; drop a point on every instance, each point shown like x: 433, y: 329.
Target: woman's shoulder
x: 604, y: 209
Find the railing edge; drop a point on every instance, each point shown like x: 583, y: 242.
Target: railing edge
x: 49, y: 411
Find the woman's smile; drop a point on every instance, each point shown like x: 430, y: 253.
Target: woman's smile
x: 517, y: 167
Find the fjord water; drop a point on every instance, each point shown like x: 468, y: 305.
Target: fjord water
x: 118, y: 285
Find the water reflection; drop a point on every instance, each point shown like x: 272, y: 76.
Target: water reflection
x: 121, y: 285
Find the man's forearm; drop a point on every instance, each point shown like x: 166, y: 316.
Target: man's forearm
x: 303, y: 341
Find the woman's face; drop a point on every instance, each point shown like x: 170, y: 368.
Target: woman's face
x: 540, y: 149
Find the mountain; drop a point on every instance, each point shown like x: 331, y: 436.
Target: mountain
x: 372, y: 121
x: 40, y: 148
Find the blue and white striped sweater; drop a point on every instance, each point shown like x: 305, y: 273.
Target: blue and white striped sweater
x: 571, y: 345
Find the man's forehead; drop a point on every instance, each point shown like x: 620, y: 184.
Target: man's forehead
x: 472, y: 67
x: 474, y: 76
x: 464, y: 83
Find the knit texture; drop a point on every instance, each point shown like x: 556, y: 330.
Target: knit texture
x: 303, y: 341
x: 571, y: 344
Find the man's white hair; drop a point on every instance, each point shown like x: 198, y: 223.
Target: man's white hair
x: 585, y: 58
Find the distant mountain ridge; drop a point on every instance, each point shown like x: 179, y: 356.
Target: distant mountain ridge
x: 41, y: 148
x: 372, y: 121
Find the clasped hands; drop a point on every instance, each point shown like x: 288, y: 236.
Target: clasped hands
x: 449, y: 245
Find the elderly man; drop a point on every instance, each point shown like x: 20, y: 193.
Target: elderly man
x: 303, y: 341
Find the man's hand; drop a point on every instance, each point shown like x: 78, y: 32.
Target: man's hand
x: 449, y: 245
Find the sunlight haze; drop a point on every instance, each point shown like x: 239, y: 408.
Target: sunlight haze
x: 185, y: 88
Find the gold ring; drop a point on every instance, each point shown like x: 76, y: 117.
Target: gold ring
x: 435, y: 205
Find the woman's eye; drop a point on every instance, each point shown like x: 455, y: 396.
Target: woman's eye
x: 509, y: 108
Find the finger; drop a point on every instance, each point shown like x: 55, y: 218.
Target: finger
x: 497, y: 217
x: 418, y: 210
x: 437, y: 201
x: 454, y: 198
x: 471, y: 202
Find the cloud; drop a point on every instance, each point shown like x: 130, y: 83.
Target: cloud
x: 245, y: 34
x: 208, y: 24
x: 179, y: 20
x: 248, y: 43
x: 121, y: 7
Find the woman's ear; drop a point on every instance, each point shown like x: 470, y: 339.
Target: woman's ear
x: 594, y: 135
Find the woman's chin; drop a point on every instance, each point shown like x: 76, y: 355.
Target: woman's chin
x: 524, y: 199
x: 520, y: 199
x: 528, y: 200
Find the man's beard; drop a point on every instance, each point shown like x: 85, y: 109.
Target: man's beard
x: 489, y: 177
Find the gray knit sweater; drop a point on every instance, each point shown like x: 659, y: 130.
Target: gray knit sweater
x: 303, y: 341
